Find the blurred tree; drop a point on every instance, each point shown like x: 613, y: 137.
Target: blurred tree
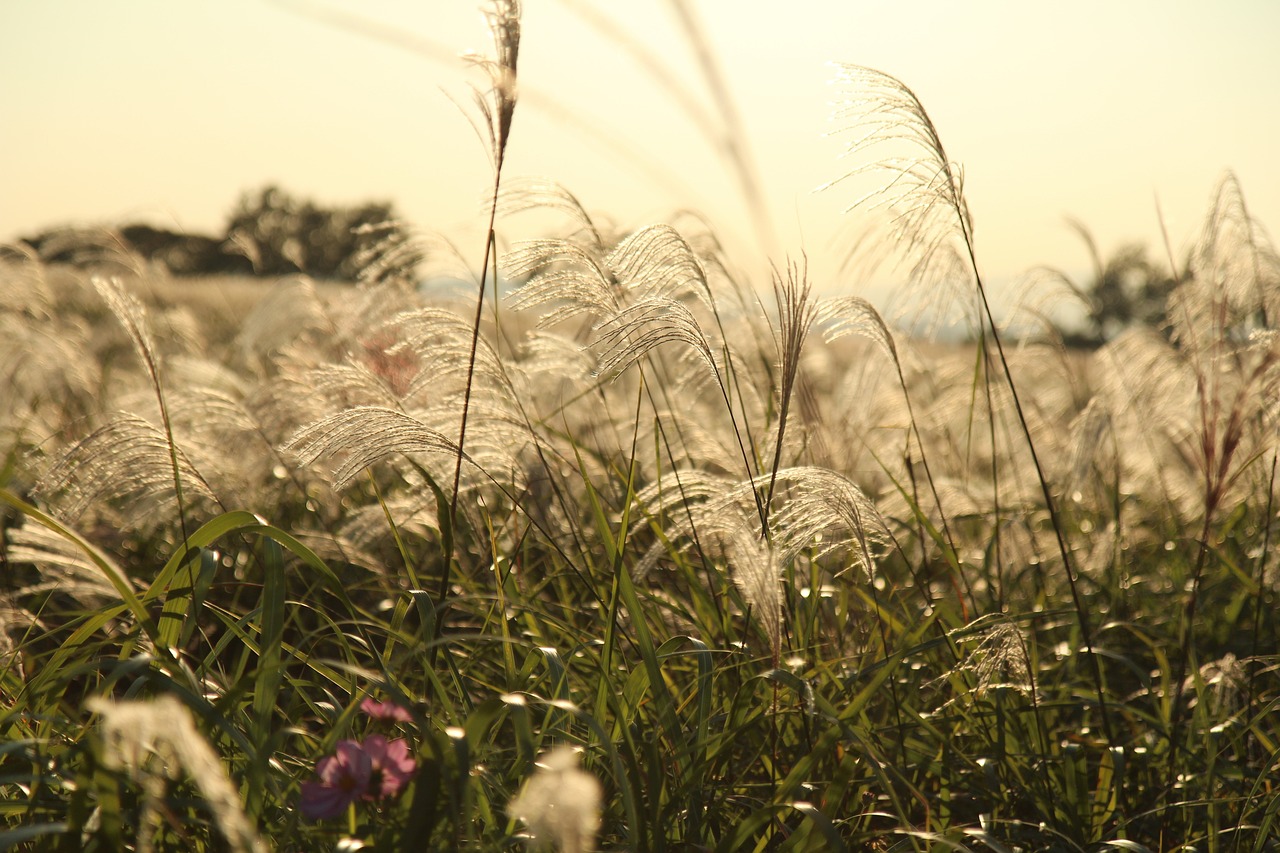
x: 281, y: 234
x: 1125, y: 289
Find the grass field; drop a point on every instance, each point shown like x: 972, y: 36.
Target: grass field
x: 643, y: 556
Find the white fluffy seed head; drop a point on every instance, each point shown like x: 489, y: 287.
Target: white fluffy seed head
x: 157, y: 739
x: 560, y: 803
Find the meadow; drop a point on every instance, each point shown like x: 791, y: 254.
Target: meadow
x: 644, y: 554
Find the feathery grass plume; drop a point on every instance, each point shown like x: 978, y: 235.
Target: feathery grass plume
x: 633, y: 333
x: 1233, y: 281
x: 758, y: 574
x: 929, y: 218
x: 499, y: 104
x: 131, y: 314
x: 999, y: 660
x: 361, y: 437
x: 235, y: 453
x: 1094, y: 457
x: 129, y: 462
x: 825, y: 507
x: 551, y: 356
x: 563, y: 280
x: 932, y: 221
x: 156, y: 741
x: 1222, y: 323
x: 28, y: 293
x: 365, y: 530
x: 853, y: 315
x: 796, y: 316
x: 101, y: 250
x: 62, y: 566
x: 560, y: 803
x: 819, y: 503
x: 50, y: 376
x: 1150, y: 393
x: 290, y: 309
x: 1220, y: 684
x: 390, y: 253
x: 355, y: 383
x: 524, y: 194
x: 630, y: 335
x: 439, y: 338
x: 657, y: 261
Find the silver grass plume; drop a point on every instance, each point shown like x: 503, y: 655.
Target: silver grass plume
x: 503, y: 18
x: 365, y: 527
x: 796, y: 316
x: 564, y: 280
x: 568, y: 279
x: 132, y: 316
x: 356, y: 383
x: 998, y: 660
x: 757, y: 572
x: 441, y: 339
x: 237, y: 453
x: 630, y: 335
x: 1221, y: 684
x: 932, y: 220
x: 560, y: 803
x: 389, y: 253
x: 658, y: 261
x: 524, y: 194
x: 853, y: 315
x: 1094, y: 451
x: 820, y: 506
x: 362, y: 436
x: 289, y: 310
x: 1234, y: 275
x: 924, y: 191
x: 29, y: 293
x: 1149, y: 391
x: 156, y: 741
x: 62, y: 564
x: 47, y: 372
x: 128, y: 460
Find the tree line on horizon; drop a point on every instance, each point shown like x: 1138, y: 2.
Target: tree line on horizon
x: 270, y: 232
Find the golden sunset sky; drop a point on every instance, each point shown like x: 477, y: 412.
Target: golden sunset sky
x: 166, y: 111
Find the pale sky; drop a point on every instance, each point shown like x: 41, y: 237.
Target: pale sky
x: 166, y: 111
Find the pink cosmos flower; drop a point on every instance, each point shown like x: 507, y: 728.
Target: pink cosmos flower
x: 393, y: 766
x: 385, y: 711
x: 343, y: 778
x: 372, y: 769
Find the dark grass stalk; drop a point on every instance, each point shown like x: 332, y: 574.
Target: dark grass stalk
x: 504, y: 23
x: 1086, y: 632
x: 1250, y: 687
x: 995, y: 479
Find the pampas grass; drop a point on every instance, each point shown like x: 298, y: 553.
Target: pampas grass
x: 157, y: 741
x: 787, y: 576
